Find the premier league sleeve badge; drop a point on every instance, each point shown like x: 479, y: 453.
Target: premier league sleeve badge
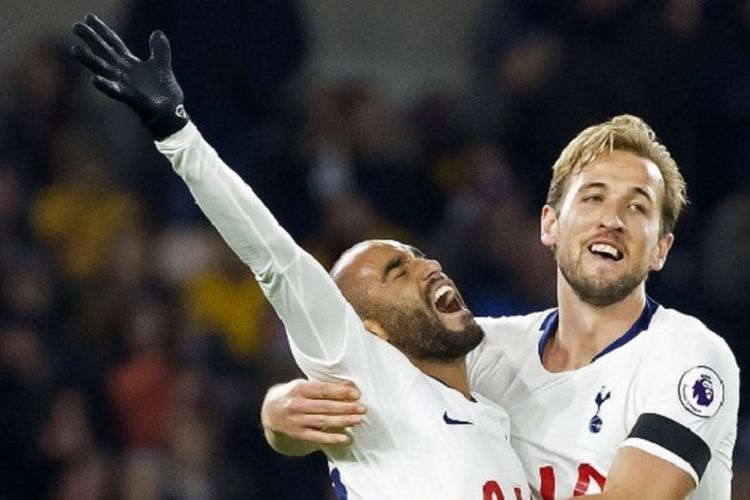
x: 701, y: 391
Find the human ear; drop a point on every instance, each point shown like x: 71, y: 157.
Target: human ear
x: 549, y: 226
x: 376, y: 329
x: 661, y: 251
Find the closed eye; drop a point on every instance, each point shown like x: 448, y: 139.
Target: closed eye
x: 395, y: 265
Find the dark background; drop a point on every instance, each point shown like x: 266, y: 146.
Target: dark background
x: 135, y: 348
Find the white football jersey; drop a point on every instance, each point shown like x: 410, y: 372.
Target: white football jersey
x: 668, y: 386
x: 420, y: 439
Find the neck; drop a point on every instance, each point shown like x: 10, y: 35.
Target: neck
x: 585, y: 330
x: 451, y: 373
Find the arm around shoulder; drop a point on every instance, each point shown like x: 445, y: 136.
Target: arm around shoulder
x: 302, y: 415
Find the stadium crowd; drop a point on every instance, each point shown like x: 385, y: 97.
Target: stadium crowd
x: 135, y: 348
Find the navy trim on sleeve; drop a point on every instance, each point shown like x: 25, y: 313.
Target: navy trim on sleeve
x: 338, y: 486
x: 674, y: 437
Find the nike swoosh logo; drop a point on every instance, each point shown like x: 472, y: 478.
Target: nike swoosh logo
x: 451, y: 421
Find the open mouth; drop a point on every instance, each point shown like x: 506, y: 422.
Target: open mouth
x: 445, y: 299
x: 606, y: 251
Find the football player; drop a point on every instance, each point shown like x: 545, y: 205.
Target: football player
x: 387, y: 317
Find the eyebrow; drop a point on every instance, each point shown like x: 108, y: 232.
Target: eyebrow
x: 643, y: 192
x: 392, y: 264
x: 601, y: 185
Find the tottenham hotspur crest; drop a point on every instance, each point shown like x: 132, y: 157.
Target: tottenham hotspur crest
x: 595, y: 424
x: 701, y: 391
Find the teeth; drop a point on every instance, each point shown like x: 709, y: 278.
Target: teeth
x: 604, y: 248
x: 440, y: 292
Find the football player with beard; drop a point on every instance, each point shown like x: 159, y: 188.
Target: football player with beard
x: 610, y: 394
x: 386, y: 317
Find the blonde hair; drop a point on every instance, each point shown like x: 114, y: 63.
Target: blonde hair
x: 622, y: 133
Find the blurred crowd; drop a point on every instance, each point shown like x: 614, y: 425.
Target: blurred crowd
x: 135, y: 348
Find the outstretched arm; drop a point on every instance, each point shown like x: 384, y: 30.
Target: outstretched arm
x: 326, y: 336
x: 316, y: 315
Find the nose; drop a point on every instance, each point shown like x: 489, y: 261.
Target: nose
x: 428, y: 267
x: 612, y: 221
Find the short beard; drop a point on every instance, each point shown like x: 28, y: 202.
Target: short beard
x: 422, y: 336
x: 600, y: 295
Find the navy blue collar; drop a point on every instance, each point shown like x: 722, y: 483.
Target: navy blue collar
x: 549, y: 327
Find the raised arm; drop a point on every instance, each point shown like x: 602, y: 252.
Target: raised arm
x: 326, y: 337
x: 316, y: 316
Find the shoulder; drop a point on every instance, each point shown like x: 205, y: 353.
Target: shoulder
x: 685, y: 357
x: 508, y: 334
x: 513, y: 327
x: 677, y: 336
x: 508, y: 342
x: 686, y: 395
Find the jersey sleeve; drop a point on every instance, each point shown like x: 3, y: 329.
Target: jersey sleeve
x: 326, y: 335
x: 689, y: 399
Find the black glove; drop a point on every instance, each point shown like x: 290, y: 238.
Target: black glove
x: 148, y: 87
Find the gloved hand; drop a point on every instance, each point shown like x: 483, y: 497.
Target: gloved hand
x: 148, y: 87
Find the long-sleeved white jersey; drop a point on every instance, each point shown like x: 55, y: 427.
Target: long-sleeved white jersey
x: 420, y: 439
